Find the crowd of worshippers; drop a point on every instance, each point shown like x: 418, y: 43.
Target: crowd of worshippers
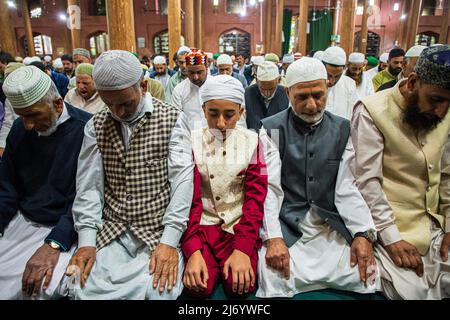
x: 123, y: 179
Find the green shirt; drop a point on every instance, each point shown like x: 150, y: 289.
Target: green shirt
x: 382, y: 78
x: 173, y: 82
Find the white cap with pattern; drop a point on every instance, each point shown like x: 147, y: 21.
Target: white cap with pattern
x: 305, y: 70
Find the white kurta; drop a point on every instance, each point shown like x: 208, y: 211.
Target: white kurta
x: 321, y: 258
x: 186, y: 96
x: 365, y: 88
x: 371, y: 73
x: 342, y: 97
x: 21, y: 240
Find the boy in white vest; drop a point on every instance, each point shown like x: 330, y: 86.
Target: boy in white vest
x: 230, y: 186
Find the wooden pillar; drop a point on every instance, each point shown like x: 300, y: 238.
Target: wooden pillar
x: 174, y: 22
x: 443, y: 37
x: 336, y: 16
x: 413, y: 22
x: 198, y: 26
x: 120, y: 19
x: 276, y: 46
x: 75, y: 29
x: 189, y: 22
x: 27, y: 25
x: 364, y: 28
x: 268, y: 26
x: 348, y: 25
x: 7, y: 38
x: 302, y: 26
x: 404, y: 24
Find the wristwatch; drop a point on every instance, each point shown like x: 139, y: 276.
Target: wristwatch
x: 370, y: 235
x: 54, y: 245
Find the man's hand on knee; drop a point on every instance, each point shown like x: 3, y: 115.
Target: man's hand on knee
x: 196, y: 273
x: 40, y: 266
x: 242, y: 272
x: 164, y: 267
x: 277, y: 256
x: 405, y: 255
x: 362, y: 255
x: 445, y: 247
x: 82, y: 262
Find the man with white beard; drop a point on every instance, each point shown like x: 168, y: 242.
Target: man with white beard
x: 318, y: 231
x: 37, y: 187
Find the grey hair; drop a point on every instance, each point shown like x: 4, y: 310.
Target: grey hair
x: 51, y: 95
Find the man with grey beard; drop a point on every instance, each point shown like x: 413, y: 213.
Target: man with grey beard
x: 37, y: 187
x: 403, y: 171
x: 321, y: 234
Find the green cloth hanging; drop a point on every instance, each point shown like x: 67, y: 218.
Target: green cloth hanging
x: 287, y: 21
x: 319, y: 37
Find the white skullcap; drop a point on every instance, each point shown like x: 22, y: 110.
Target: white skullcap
x: 335, y: 56
x: 224, y: 59
x: 356, y: 57
x: 47, y: 58
x: 288, y: 58
x: 258, y: 60
x: 116, y: 70
x: 35, y: 59
x: 305, y: 70
x: 27, y: 61
x: 252, y: 59
x: 318, y: 55
x: 159, y: 60
x: 57, y: 64
x: 267, y: 71
x: 415, y: 51
x: 25, y: 86
x: 183, y: 50
x: 222, y: 87
x: 18, y: 59
x: 384, y: 57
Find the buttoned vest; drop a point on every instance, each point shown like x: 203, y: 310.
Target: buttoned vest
x: 137, y: 189
x: 411, y: 167
x: 310, y: 164
x: 222, y: 168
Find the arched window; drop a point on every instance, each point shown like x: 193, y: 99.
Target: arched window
x: 98, y: 43
x: 235, y: 41
x: 161, y: 42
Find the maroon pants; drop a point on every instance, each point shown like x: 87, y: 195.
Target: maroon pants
x: 218, y: 246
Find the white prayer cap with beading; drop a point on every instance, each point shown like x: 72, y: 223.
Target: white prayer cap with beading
x: 335, y: 56
x: 305, y: 70
x: 222, y: 87
x: 116, y: 70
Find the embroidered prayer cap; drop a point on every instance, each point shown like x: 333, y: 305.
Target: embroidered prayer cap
x: 384, y: 57
x: 297, y: 56
x: 18, y: 59
x: 433, y: 66
x: 224, y: 59
x: 272, y: 57
x: 84, y: 68
x: 81, y: 52
x: 216, y: 55
x: 288, y: 59
x: 12, y: 66
x: 305, y: 70
x: 196, y: 58
x: 318, y: 55
x: 222, y: 87
x: 372, y: 61
x: 35, y: 59
x: 159, y: 60
x: 26, y: 86
x: 267, y: 71
x: 47, y: 59
x: 335, y: 56
x: 116, y: 70
x: 356, y: 57
x: 183, y: 50
x: 415, y: 51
